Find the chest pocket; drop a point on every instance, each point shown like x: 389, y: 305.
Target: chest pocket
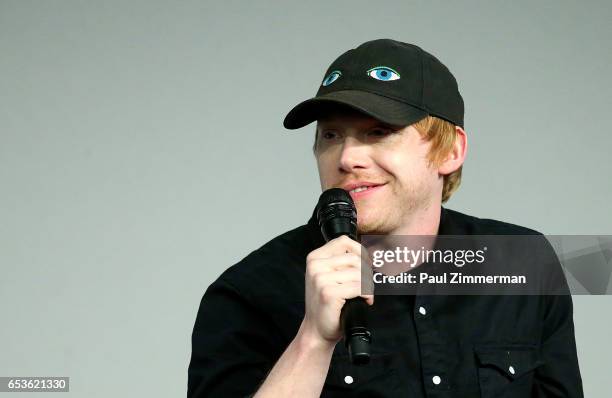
x: 378, y: 378
x: 506, y: 371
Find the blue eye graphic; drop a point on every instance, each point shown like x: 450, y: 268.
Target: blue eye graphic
x: 332, y: 77
x: 383, y: 73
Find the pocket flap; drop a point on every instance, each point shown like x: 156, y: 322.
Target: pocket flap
x: 513, y: 361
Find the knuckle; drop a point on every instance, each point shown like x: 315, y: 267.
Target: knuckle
x: 317, y: 279
x: 313, y: 276
x: 351, y: 244
x: 309, y: 271
x: 313, y: 265
x: 310, y: 261
x: 356, y: 258
x: 353, y: 260
x: 326, y: 294
x: 345, y: 239
x: 342, y: 240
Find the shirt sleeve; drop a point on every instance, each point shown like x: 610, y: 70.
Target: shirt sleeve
x: 233, y: 347
x: 559, y: 376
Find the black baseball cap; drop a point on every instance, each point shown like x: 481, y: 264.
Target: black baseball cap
x: 395, y: 82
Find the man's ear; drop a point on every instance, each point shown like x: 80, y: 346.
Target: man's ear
x: 456, y: 156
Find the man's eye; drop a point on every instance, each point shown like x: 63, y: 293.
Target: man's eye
x: 328, y: 135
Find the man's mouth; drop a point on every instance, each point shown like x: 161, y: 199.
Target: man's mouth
x: 360, y: 189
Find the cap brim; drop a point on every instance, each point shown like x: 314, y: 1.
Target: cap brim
x: 387, y: 110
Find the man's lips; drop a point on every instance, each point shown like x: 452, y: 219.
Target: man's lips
x: 361, y: 189
x: 358, y: 184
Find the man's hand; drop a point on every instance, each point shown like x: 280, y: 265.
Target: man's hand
x: 333, y: 275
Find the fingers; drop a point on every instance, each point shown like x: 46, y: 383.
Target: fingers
x: 343, y: 284
x: 345, y: 291
x: 351, y: 290
x: 334, y: 275
x: 340, y: 245
x: 337, y: 262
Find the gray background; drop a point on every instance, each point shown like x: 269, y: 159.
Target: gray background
x: 142, y: 153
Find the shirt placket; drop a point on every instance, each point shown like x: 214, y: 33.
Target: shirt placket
x: 431, y: 346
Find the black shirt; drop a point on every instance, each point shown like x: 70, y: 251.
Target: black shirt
x: 423, y: 346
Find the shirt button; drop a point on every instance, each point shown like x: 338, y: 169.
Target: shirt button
x: 422, y: 310
x: 511, y: 370
x: 348, y: 379
x: 436, y: 380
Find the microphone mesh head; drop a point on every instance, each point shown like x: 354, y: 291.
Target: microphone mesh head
x: 336, y: 214
x: 334, y: 195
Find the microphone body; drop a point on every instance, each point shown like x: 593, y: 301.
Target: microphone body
x: 337, y: 216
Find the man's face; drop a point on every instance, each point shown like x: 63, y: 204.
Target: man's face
x: 355, y: 150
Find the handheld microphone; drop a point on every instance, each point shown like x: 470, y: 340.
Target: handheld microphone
x: 337, y: 216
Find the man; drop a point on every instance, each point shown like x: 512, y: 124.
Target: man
x: 390, y: 132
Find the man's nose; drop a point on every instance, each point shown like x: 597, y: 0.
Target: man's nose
x: 354, y: 155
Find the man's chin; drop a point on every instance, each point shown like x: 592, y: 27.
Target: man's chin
x: 370, y: 228
x: 367, y: 223
x: 374, y: 221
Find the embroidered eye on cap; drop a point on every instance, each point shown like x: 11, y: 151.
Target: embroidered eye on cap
x: 395, y: 82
